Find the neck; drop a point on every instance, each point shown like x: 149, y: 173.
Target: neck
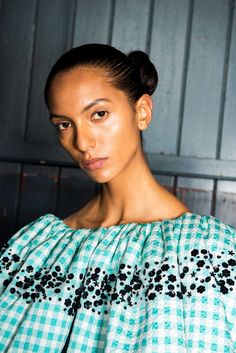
x: 130, y: 197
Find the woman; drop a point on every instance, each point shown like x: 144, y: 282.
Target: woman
x: 134, y: 270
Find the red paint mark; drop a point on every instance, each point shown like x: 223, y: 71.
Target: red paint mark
x: 22, y: 182
x: 55, y: 179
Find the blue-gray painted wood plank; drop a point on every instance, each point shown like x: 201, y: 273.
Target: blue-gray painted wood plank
x: 51, y: 41
x: 92, y: 23
x: 228, y: 147
x: 16, y: 41
x: 226, y: 202
x: 204, y: 80
x: 167, y: 52
x: 160, y: 25
x: 76, y: 189
x: 38, y: 192
x: 192, y: 166
x: 131, y: 25
x: 196, y: 194
x: 167, y: 164
x: 9, y: 190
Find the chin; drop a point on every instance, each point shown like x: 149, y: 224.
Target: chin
x: 100, y: 176
x: 101, y: 179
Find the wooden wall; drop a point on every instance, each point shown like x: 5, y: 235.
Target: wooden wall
x: 190, y: 144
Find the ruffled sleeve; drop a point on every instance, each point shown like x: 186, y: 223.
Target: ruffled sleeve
x: 168, y: 284
x: 221, y: 241
x: 216, y: 255
x: 18, y: 247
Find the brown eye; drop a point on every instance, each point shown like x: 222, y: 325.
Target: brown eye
x: 62, y: 126
x: 100, y: 115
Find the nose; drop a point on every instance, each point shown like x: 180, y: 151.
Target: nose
x: 83, y: 139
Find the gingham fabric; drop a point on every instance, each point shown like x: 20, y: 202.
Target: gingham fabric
x: 165, y: 286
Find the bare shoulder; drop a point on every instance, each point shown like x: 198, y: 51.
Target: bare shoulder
x: 71, y: 221
x: 165, y: 206
x: 80, y: 218
x: 171, y: 206
x: 77, y: 220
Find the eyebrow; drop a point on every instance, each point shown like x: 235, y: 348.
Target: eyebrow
x: 90, y: 105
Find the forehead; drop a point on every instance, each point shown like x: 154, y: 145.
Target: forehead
x: 76, y: 88
x: 80, y: 78
x: 81, y: 84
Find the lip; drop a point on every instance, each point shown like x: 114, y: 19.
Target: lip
x: 94, y: 163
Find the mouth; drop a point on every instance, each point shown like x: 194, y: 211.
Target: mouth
x: 94, y: 164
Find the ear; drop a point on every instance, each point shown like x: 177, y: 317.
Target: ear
x: 144, y: 111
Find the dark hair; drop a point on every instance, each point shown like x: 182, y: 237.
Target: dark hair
x: 134, y: 73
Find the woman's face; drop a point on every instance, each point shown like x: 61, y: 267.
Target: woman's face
x: 94, y: 120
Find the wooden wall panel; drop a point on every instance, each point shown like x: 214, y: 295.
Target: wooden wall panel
x: 9, y: 197
x: 131, y: 25
x: 75, y: 190
x: 228, y: 148
x: 38, y: 193
x: 168, y: 42
x: 196, y: 194
x: 52, y: 40
x: 204, y: 78
x: 226, y: 202
x: 93, y: 21
x: 192, y: 43
x: 16, y: 42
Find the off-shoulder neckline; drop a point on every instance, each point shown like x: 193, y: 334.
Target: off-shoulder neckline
x: 115, y: 226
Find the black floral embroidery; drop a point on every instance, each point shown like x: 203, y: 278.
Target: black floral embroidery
x: 99, y: 289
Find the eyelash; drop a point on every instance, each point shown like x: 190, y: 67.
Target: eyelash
x: 57, y: 125
x: 100, y: 111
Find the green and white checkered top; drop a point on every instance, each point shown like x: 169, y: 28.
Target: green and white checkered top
x: 164, y: 287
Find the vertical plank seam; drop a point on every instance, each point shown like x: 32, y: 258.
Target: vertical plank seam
x: 148, y: 50
x: 71, y: 31
x: 111, y: 22
x: 225, y: 78
x: 55, y: 177
x: 213, y: 199
x: 222, y: 98
x: 19, y: 197
x: 183, y: 87
x: 150, y: 27
x: 184, y: 75
x: 58, y: 191
x: 175, y: 184
x: 31, y: 71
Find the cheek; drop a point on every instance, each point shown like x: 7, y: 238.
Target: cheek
x: 63, y: 140
x: 66, y: 141
x: 121, y: 136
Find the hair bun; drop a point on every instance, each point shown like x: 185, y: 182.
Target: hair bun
x: 145, y: 69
